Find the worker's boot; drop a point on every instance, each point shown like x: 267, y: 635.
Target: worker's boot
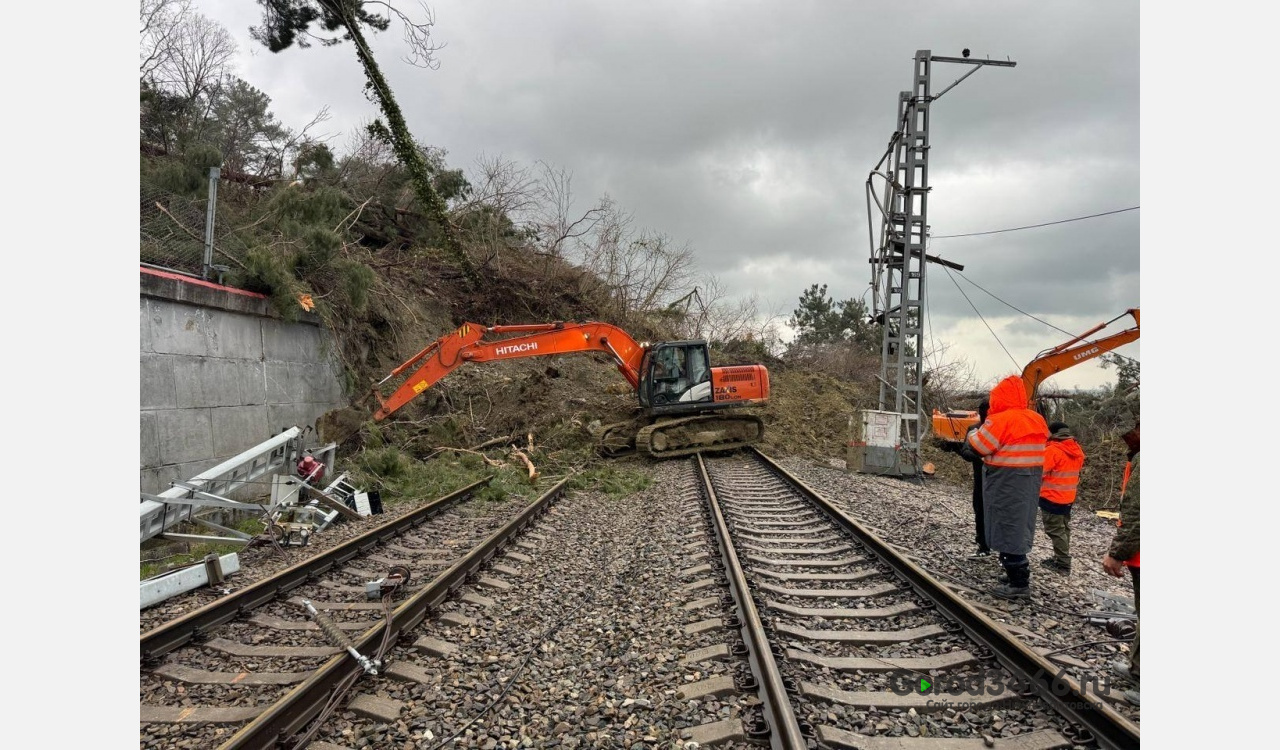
x: 1017, y: 584
x: 1056, y: 565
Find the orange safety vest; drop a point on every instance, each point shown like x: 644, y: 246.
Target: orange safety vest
x: 1062, y: 464
x: 996, y: 449
x: 1133, y: 562
x: 1013, y: 437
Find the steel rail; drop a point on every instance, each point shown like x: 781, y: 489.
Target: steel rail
x: 278, y: 724
x: 784, y: 730
x: 1109, y: 728
x: 169, y: 636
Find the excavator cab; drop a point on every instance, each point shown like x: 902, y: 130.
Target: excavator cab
x: 674, y: 374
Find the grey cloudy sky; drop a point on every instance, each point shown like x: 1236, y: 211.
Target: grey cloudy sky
x: 748, y: 129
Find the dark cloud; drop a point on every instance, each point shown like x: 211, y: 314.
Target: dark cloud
x: 747, y: 130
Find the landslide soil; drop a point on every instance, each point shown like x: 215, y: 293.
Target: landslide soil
x: 561, y: 399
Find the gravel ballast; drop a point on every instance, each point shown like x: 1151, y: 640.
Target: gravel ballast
x: 934, y: 522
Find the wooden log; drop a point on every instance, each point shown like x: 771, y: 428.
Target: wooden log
x: 533, y: 472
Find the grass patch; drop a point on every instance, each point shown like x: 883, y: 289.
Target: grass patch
x: 613, y: 479
x: 183, y: 554
x: 402, y: 479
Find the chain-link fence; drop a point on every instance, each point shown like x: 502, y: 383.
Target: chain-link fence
x: 174, y: 230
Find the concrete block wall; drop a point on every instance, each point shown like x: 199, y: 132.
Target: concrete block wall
x: 220, y: 373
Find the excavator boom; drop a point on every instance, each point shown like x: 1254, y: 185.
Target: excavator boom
x: 467, y: 344
x: 951, y: 425
x: 1072, y: 353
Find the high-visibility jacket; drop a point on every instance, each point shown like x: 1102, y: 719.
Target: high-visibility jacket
x: 1063, y: 460
x: 1011, y: 442
x: 1013, y: 436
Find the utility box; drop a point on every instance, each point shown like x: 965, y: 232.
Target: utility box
x: 875, y: 444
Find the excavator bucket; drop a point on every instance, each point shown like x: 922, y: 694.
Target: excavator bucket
x: 951, y: 426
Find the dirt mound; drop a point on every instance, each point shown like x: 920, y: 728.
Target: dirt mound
x: 340, y: 425
x: 809, y: 413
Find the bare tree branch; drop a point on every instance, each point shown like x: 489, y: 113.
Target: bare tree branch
x: 417, y: 35
x: 158, y: 21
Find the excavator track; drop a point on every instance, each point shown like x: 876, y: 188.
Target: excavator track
x: 683, y: 436
x: 618, y: 439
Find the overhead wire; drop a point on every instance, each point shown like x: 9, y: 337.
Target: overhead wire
x: 1024, y: 312
x: 980, y: 317
x: 1014, y: 307
x: 1034, y: 226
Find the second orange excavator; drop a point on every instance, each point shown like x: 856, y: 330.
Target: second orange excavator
x: 951, y: 425
x: 685, y: 404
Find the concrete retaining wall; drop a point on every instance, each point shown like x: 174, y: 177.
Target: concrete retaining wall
x: 220, y: 373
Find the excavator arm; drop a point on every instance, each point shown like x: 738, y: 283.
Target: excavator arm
x: 468, y: 344
x: 1073, y: 352
x: 950, y: 426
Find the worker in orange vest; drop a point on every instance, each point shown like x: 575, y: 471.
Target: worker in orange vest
x: 1063, y: 459
x: 1123, y: 553
x: 1011, y: 443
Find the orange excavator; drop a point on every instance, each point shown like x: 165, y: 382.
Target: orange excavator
x: 952, y: 425
x: 684, y: 402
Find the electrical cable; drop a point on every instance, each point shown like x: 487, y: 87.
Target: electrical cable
x: 984, y: 320
x: 341, y: 689
x: 1035, y: 226
x: 1025, y: 313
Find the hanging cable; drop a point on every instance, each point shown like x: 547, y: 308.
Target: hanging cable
x: 984, y: 320
x: 1029, y: 315
x: 1010, y: 306
x: 1034, y: 226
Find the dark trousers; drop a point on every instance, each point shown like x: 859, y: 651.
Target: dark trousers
x: 1018, y: 569
x: 978, y: 513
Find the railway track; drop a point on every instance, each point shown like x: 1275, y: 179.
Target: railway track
x: 255, y: 669
x: 729, y: 606
x: 851, y: 644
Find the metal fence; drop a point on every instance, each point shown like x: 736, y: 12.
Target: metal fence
x: 177, y: 232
